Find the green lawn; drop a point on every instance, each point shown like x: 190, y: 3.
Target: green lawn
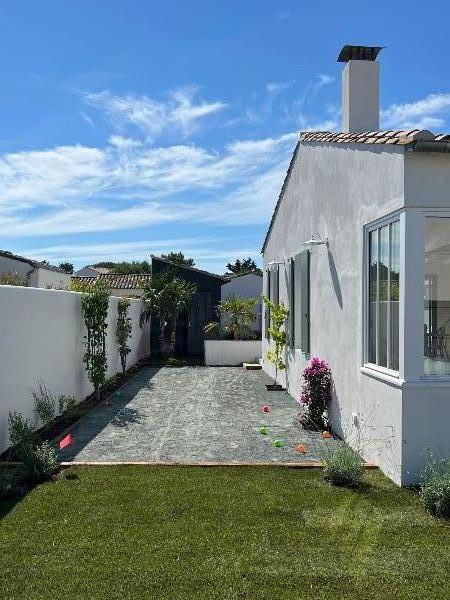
x: 244, y: 533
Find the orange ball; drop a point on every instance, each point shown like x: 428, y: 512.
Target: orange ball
x: 301, y: 448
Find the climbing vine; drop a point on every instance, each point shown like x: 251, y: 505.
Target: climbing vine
x: 95, y: 310
x: 123, y: 331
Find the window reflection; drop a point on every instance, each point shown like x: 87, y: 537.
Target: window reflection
x: 384, y: 282
x: 437, y: 296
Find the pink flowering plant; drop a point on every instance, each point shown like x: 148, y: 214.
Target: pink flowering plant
x: 316, y: 394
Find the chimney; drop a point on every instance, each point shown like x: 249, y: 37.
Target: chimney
x: 360, y: 88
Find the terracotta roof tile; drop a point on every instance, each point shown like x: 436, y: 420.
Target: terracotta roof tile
x: 373, y: 137
x: 118, y: 281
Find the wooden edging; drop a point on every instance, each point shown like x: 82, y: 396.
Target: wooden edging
x: 306, y: 464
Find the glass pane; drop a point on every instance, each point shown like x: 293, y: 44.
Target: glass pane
x: 394, y: 294
x: 373, y: 295
x: 436, y: 323
x: 383, y: 270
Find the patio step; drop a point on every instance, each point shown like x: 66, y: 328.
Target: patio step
x: 252, y: 366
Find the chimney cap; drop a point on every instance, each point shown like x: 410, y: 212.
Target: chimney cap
x: 359, y: 53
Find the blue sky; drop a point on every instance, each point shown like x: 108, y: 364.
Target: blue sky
x: 140, y: 127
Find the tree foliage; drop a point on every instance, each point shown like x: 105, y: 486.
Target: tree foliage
x: 277, y: 333
x: 179, y: 259
x: 67, y: 267
x: 125, y: 268
x: 246, y: 265
x: 239, y: 314
x: 123, y: 331
x: 95, y: 309
x: 165, y: 297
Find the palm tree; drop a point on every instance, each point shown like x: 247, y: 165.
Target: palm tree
x: 165, y: 297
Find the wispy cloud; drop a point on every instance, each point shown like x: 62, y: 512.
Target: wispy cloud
x: 129, y: 184
x: 430, y: 112
x: 276, y: 87
x: 180, y: 113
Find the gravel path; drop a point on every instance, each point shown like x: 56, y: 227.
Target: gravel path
x: 193, y: 414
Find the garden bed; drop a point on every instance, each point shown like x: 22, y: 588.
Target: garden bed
x: 61, y: 423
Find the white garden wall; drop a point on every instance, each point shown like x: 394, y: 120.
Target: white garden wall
x: 41, y: 338
x: 231, y: 352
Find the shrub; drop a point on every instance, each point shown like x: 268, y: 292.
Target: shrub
x: 316, y: 394
x: 39, y: 461
x: 44, y: 403
x: 67, y: 406
x: 45, y: 461
x: 435, y: 488
x: 343, y: 466
x: 12, y: 279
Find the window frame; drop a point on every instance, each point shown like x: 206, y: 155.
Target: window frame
x: 368, y: 229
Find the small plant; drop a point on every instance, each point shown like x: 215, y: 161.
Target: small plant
x: 316, y: 394
x: 95, y: 304
x: 435, y: 488
x: 277, y: 333
x: 44, y: 403
x: 123, y: 331
x: 39, y: 460
x: 45, y: 462
x: 67, y: 406
x: 342, y: 466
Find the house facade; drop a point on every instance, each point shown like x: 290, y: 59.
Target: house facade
x: 359, y: 251
x: 34, y: 273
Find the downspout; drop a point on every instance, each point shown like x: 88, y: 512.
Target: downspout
x: 29, y: 274
x: 437, y: 147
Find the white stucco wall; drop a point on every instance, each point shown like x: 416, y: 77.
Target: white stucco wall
x: 335, y: 190
x: 231, y: 352
x: 41, y: 338
x: 35, y: 276
x: 11, y: 265
x: 47, y: 278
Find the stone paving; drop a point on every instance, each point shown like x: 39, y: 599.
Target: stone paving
x: 193, y: 414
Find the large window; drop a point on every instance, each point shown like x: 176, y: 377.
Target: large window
x: 436, y: 323
x: 383, y: 296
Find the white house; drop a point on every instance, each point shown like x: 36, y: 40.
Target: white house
x: 245, y: 285
x: 359, y: 250
x: 34, y: 273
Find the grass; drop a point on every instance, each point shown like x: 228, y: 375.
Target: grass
x: 219, y: 533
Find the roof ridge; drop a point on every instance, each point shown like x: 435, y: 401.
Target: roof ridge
x: 388, y: 136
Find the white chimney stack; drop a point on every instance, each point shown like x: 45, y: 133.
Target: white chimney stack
x: 360, y: 89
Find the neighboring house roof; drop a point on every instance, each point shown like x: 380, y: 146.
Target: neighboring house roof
x: 413, y: 137
x: 235, y: 275
x: 118, y: 281
x: 89, y: 270
x: 175, y: 264
x: 374, y: 137
x: 33, y: 263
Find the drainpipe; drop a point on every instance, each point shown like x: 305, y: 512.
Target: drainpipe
x: 437, y: 147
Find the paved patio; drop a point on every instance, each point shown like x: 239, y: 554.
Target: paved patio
x: 193, y: 414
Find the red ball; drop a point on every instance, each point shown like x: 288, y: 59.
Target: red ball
x: 266, y: 408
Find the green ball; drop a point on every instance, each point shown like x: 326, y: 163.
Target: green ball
x: 278, y: 443
x: 264, y: 430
